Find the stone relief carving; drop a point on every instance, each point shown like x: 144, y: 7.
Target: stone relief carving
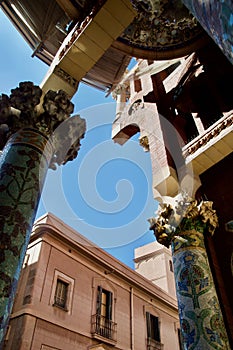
x: 144, y: 142
x: 66, y: 77
x: 214, y: 132
x: 19, y: 111
x: 184, y: 221
x: 160, y: 24
x: 122, y: 88
x: 94, y: 7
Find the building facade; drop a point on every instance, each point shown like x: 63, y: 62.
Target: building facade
x: 73, y: 295
x: 93, y: 41
x: 183, y: 110
x: 154, y: 261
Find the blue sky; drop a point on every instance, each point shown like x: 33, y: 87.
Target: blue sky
x: 105, y: 193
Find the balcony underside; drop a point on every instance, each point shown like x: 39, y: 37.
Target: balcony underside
x: 211, y: 146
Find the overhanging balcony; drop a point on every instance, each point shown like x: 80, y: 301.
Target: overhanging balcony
x: 211, y: 146
x: 153, y: 344
x: 103, y: 329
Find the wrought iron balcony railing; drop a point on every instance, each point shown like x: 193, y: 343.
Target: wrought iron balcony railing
x: 153, y: 344
x: 103, y: 327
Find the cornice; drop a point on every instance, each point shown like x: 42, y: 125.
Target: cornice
x: 65, y: 234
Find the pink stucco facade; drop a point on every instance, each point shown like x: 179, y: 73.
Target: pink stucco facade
x: 57, y: 252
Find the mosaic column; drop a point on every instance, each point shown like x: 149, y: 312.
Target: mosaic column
x: 184, y: 227
x: 216, y: 17
x: 34, y: 141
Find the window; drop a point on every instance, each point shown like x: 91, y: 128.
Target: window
x: 137, y: 85
x: 153, y: 332
x: 180, y: 339
x: 102, y: 321
x: 152, y: 327
x: 104, y: 312
x: 61, y: 293
x: 104, y: 303
x: 170, y: 265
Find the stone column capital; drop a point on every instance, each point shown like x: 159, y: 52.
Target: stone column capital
x: 182, y: 220
x: 48, y: 114
x: 121, y: 89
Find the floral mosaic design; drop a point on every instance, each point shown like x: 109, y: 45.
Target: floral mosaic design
x: 183, y: 227
x: 216, y: 17
x: 201, y: 319
x: 33, y: 139
x: 19, y: 194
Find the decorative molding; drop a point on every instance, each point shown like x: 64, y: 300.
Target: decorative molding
x: 79, y: 28
x: 58, y: 275
x: 153, y: 254
x: 144, y: 142
x: 185, y: 222
x: 66, y: 77
x: 161, y: 26
x: 213, y: 132
x: 19, y: 111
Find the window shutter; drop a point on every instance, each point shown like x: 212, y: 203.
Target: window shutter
x: 148, y: 325
x: 152, y: 323
x: 109, y: 306
x: 98, y: 301
x: 157, y: 332
x: 60, y: 296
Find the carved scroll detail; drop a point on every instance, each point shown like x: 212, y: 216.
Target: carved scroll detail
x: 19, y: 111
x: 187, y: 217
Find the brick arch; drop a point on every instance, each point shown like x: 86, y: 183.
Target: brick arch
x: 126, y: 133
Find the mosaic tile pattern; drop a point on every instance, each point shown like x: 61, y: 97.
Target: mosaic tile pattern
x: 27, y: 154
x: 183, y: 226
x: 161, y: 30
x: 201, y: 319
x: 23, y: 167
x: 216, y: 17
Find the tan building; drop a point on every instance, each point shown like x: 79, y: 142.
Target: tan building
x: 154, y: 261
x: 74, y: 295
x: 93, y: 41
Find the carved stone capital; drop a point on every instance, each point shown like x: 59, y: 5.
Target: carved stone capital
x: 187, y: 216
x: 121, y: 89
x: 19, y: 111
x: 144, y: 142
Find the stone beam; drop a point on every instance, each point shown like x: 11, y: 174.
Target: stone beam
x: 85, y: 45
x: 146, y: 119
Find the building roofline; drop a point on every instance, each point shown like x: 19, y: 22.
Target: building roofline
x: 49, y: 223
x: 152, y: 254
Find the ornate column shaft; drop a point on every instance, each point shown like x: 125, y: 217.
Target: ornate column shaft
x: 36, y: 141
x: 183, y: 227
x: 23, y: 167
x: 216, y: 18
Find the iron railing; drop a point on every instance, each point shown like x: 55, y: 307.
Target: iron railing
x: 103, y: 326
x: 153, y: 344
